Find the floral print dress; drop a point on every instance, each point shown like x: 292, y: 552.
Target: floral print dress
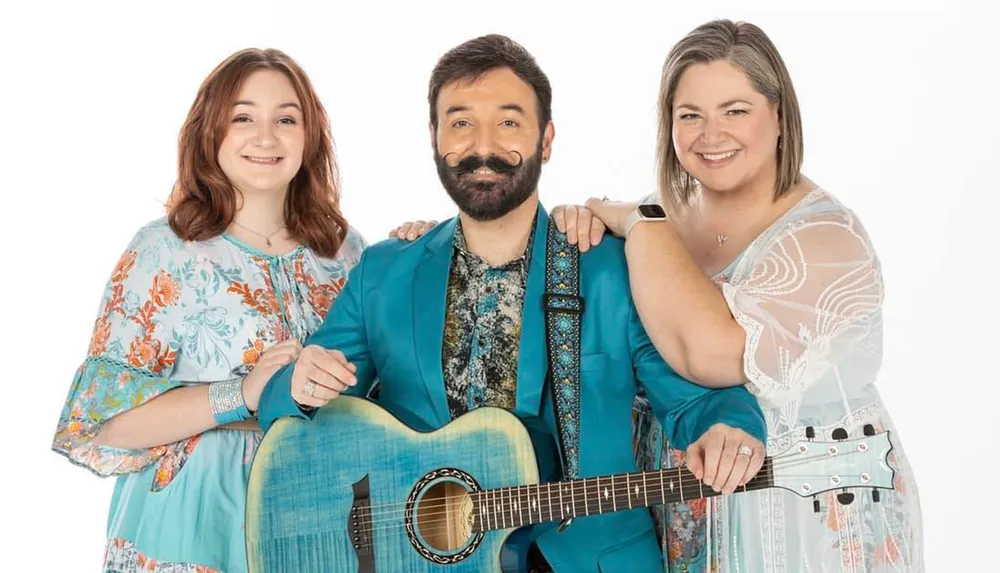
x: 178, y: 313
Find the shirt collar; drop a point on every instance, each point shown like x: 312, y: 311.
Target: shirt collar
x: 522, y: 261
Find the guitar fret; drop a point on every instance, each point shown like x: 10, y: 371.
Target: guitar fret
x: 510, y: 507
x: 515, y: 511
x: 680, y: 481
x: 586, y: 506
x: 614, y: 494
x: 552, y: 516
x: 538, y: 502
x: 600, y: 504
x: 483, y: 512
x: 520, y: 513
x: 562, y: 513
x: 663, y: 493
x: 628, y: 491
x: 499, y: 508
x: 486, y: 509
x: 572, y: 498
x: 497, y: 515
x: 645, y: 492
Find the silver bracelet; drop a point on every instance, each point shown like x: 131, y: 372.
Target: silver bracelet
x: 226, y: 400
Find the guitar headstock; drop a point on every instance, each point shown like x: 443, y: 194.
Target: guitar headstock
x: 811, y: 467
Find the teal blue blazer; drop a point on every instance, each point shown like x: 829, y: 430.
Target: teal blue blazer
x: 389, y: 322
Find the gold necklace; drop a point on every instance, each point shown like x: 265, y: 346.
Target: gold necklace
x: 267, y: 238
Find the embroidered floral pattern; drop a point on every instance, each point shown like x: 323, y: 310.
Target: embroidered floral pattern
x: 562, y: 277
x: 172, y: 462
x: 320, y: 296
x: 121, y: 556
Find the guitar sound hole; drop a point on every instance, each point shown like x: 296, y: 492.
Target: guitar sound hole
x: 444, y: 516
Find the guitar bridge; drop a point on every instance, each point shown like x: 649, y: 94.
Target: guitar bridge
x: 359, y: 524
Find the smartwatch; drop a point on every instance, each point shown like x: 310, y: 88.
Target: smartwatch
x: 644, y: 212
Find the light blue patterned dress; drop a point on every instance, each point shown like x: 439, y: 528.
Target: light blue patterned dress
x: 177, y: 313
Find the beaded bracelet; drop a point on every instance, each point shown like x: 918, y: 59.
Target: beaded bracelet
x: 226, y: 399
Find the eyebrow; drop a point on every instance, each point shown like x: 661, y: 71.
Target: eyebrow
x: 282, y: 106
x: 723, y: 104
x: 506, y: 106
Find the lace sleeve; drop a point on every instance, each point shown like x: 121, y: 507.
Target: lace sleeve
x: 807, y: 297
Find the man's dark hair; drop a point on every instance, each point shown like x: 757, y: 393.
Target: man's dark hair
x: 472, y: 59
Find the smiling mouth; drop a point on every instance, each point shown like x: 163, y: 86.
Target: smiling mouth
x: 718, y: 156
x: 484, y: 173
x: 263, y: 160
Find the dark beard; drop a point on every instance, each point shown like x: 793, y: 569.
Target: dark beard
x: 490, y: 200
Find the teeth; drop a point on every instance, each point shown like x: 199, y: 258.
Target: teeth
x: 264, y: 160
x: 718, y: 156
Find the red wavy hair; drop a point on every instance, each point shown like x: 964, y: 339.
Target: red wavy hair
x: 203, y: 202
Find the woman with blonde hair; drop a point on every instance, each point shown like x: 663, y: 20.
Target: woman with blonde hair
x: 744, y: 271
x: 203, y: 307
x: 758, y: 276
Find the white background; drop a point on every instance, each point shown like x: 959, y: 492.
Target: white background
x: 900, y: 117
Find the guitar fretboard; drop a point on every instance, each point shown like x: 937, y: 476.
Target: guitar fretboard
x: 514, y: 507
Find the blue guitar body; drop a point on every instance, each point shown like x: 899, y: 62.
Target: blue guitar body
x: 356, y: 491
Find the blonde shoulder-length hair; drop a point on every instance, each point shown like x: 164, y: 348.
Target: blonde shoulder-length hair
x: 749, y: 49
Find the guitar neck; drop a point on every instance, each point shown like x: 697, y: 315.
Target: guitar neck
x: 514, y: 507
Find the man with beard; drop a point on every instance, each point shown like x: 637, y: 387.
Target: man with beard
x: 456, y: 320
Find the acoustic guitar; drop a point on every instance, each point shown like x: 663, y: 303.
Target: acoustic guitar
x: 357, y: 491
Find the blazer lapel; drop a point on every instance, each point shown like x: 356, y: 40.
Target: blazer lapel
x: 533, y: 363
x: 430, y: 293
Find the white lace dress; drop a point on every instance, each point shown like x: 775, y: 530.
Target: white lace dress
x: 808, y: 292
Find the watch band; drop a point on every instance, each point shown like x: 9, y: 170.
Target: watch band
x: 656, y: 215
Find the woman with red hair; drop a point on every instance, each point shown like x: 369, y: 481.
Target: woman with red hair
x: 203, y: 307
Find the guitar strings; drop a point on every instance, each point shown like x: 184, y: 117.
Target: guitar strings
x: 618, y: 478
x: 686, y: 480
x: 432, y: 525
x: 620, y: 491
x: 619, y: 497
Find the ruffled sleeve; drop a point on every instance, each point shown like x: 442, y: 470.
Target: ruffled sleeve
x: 807, y: 296
x: 131, y: 355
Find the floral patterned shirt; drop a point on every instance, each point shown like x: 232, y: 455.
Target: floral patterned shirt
x: 482, y: 329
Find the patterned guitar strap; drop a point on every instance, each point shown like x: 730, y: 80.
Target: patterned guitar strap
x: 563, y: 311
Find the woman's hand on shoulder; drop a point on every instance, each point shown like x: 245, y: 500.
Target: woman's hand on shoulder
x: 412, y: 230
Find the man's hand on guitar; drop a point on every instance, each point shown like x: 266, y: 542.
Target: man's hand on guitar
x: 320, y: 375
x: 725, y: 458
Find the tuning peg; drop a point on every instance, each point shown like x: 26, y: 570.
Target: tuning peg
x: 815, y: 505
x: 840, y: 434
x: 869, y: 430
x: 810, y: 432
x: 845, y: 498
x: 876, y: 496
